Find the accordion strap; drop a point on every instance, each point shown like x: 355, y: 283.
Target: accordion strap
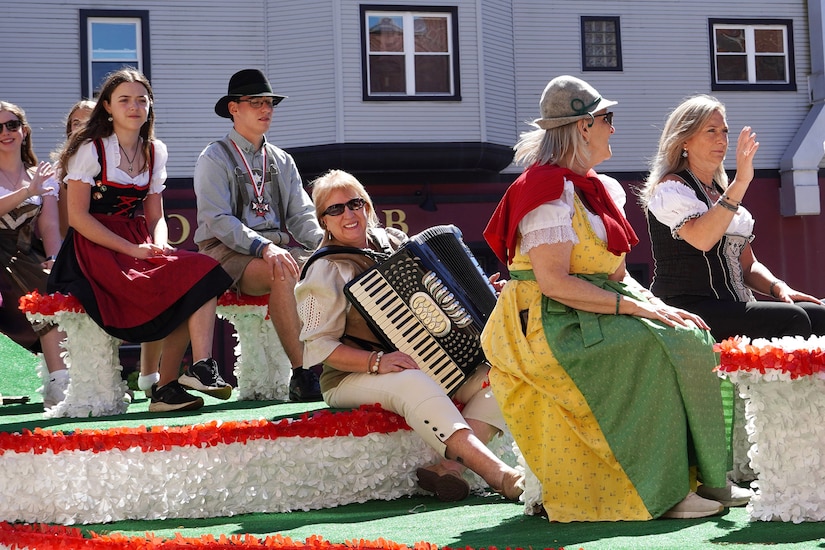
x: 363, y: 258
x: 356, y: 331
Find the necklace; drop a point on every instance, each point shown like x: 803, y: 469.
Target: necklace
x: 13, y: 185
x: 708, y: 189
x: 134, y: 155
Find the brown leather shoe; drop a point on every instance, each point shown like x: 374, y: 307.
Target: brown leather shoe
x: 447, y: 485
x: 511, y: 485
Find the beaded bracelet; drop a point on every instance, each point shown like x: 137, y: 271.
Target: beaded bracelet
x: 727, y: 206
x: 618, y: 299
x: 369, y: 360
x: 730, y: 200
x: 374, y: 368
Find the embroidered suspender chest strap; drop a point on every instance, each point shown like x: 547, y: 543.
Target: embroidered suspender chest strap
x: 258, y: 205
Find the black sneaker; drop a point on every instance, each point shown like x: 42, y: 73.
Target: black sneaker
x: 304, y: 386
x: 173, y: 397
x: 204, y: 377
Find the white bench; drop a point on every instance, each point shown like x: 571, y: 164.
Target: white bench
x: 782, y: 385
x: 96, y: 387
x: 262, y: 367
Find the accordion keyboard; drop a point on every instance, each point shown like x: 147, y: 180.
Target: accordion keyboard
x: 401, y: 326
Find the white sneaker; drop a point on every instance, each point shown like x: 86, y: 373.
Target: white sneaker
x: 731, y: 496
x: 693, y: 506
x: 55, y: 390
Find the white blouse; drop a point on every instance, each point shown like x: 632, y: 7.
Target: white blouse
x: 673, y: 203
x: 322, y: 308
x: 85, y: 165
x: 34, y: 199
x: 552, y: 222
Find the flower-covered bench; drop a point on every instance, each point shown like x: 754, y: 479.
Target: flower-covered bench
x: 782, y: 382
x: 320, y: 460
x: 97, y: 388
x: 262, y: 367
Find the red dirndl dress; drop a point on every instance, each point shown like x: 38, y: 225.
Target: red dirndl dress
x: 132, y: 299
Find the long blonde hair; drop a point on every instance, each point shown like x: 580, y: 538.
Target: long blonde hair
x: 561, y: 145
x: 684, y: 122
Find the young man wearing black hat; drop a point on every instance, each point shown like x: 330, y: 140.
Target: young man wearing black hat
x: 251, y: 202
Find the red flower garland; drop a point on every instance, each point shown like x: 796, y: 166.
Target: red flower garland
x: 230, y: 298
x: 51, y: 537
x: 320, y: 424
x: 737, y: 356
x: 49, y: 304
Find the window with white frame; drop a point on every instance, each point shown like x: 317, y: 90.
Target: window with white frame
x: 410, y: 54
x: 601, y: 44
x: 112, y: 40
x: 752, y: 54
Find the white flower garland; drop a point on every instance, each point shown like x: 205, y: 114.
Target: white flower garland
x: 785, y: 424
x: 262, y: 367
x: 257, y: 476
x: 96, y: 387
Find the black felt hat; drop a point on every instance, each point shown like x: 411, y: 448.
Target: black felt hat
x: 246, y: 83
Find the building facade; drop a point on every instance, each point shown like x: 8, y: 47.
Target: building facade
x: 423, y: 101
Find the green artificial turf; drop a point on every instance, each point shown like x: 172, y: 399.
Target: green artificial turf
x: 482, y: 521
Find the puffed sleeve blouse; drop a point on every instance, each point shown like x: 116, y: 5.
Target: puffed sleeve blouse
x: 85, y: 165
x: 673, y: 203
x: 552, y: 222
x: 322, y: 306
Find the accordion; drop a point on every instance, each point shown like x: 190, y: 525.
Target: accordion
x: 429, y: 299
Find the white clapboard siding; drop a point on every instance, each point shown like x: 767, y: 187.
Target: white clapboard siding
x: 498, y: 78
x: 311, y: 50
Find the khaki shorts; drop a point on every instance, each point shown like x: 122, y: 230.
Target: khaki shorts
x: 234, y: 263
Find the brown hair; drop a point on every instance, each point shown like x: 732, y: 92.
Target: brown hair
x: 26, y: 151
x: 99, y: 124
x: 82, y: 104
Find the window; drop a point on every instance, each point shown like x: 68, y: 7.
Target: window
x: 751, y: 54
x: 601, y: 44
x: 111, y: 40
x: 409, y: 55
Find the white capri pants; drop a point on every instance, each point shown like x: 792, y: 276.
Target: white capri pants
x: 421, y: 401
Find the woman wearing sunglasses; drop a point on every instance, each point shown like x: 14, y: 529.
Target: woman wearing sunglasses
x: 29, y: 241
x: 357, y: 371
x: 609, y: 392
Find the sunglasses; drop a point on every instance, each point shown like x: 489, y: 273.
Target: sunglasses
x: 608, y: 117
x: 11, y: 125
x: 338, y: 209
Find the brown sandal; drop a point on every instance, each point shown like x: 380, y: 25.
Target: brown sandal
x: 447, y: 485
x: 512, y: 485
